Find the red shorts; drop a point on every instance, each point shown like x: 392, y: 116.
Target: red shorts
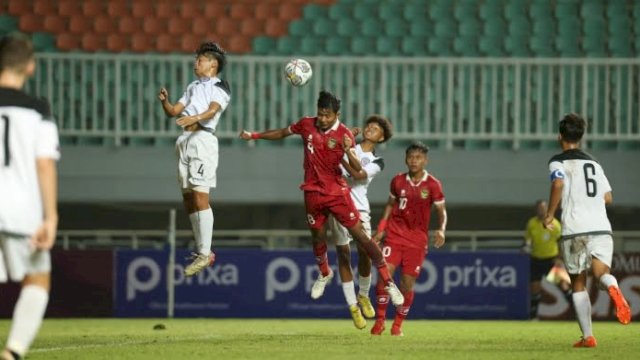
x: 409, y: 258
x: 319, y: 206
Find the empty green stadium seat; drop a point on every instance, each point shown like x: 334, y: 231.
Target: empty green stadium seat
x: 389, y: 10
x: 621, y: 46
x: 363, y: 11
x: 491, y: 46
x: 421, y: 28
x: 495, y: 28
x: 567, y: 10
x: 517, y: 46
x: 466, y: 46
x: 263, y: 45
x: 341, y: 11
x: 441, y: 10
x: 363, y: 45
x: 544, y: 28
x: 591, y: 9
x: 570, y: 28
x: 388, y: 46
x: 324, y: 27
x: 347, y: 27
x: 568, y: 47
x: 539, y: 10
x: 396, y: 27
x: 8, y: 24
x: 519, y: 27
x: 337, y: 46
x: 287, y: 45
x: 43, y: 42
x: 300, y: 27
x: 470, y: 28
x: 542, y: 46
x: 491, y: 10
x: 445, y: 28
x: 440, y: 46
x: 464, y: 12
x: 314, y: 11
x: 416, y: 12
x: 414, y: 46
x: 370, y: 27
x: 311, y: 45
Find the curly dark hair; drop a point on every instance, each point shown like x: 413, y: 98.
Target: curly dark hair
x: 383, y: 122
x: 327, y: 100
x: 213, y: 50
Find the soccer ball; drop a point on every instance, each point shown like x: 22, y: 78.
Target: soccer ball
x: 298, y: 72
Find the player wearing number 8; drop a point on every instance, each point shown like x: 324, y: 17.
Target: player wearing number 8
x: 578, y: 183
x: 405, y: 223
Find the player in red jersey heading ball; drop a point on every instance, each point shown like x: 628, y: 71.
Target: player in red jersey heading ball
x: 326, y: 192
x: 405, y: 223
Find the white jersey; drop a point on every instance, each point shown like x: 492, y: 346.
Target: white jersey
x: 583, y: 207
x: 200, y: 94
x: 26, y: 133
x: 372, y: 165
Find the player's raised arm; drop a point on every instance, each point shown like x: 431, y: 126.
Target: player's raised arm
x: 276, y: 134
x: 170, y: 109
x: 442, y: 224
x: 184, y: 121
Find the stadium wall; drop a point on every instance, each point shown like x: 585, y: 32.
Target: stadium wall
x: 271, y: 175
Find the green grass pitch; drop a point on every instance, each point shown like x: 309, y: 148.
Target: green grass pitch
x: 323, y: 339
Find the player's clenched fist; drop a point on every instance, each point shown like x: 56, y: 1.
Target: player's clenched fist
x: 347, y: 143
x: 163, y: 94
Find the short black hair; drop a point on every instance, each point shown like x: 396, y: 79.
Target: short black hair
x: 327, y: 100
x: 16, y: 50
x: 572, y: 127
x: 417, y: 146
x: 383, y: 122
x: 213, y: 50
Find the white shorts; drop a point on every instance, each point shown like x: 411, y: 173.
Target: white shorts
x: 578, y: 252
x: 341, y: 234
x: 17, y: 259
x: 197, y: 153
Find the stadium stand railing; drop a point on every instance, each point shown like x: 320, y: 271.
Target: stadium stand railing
x: 473, y: 103
x: 457, y: 240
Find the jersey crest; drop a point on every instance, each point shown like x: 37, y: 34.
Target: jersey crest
x: 331, y: 143
x: 424, y: 193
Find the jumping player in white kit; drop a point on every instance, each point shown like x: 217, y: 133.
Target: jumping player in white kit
x: 29, y: 150
x: 579, y: 183
x: 200, y: 107
x: 377, y: 129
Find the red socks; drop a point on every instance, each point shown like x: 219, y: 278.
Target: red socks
x: 403, y: 311
x: 320, y: 251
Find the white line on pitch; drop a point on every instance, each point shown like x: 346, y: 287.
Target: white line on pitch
x: 124, y: 343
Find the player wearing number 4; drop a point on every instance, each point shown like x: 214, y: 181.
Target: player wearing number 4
x: 580, y: 185
x: 28, y: 192
x: 200, y: 108
x: 404, y: 224
x: 377, y: 130
x: 326, y: 192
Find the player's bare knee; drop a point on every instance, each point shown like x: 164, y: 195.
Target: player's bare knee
x: 344, y: 255
x: 42, y: 280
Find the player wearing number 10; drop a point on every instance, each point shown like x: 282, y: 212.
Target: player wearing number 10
x: 408, y: 212
x: 579, y: 183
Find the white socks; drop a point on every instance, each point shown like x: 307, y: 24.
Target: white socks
x: 364, y: 284
x: 349, y: 291
x: 27, y: 318
x: 582, y: 305
x: 202, y: 225
x: 607, y: 280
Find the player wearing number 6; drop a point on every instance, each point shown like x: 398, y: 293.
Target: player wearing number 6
x: 580, y: 185
x: 405, y: 223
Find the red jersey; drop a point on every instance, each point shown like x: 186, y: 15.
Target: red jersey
x: 409, y: 221
x: 323, y: 152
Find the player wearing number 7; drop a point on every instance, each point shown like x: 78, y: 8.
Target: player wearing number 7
x: 580, y: 185
x: 405, y: 223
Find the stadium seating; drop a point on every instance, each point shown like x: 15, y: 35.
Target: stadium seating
x: 413, y: 28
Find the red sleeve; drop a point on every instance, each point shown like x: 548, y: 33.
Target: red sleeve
x: 298, y: 127
x: 392, y: 187
x: 436, y: 191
